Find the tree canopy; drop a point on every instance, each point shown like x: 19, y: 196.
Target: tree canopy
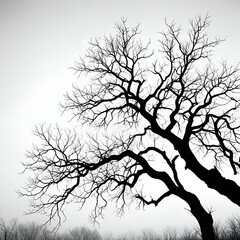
x: 147, y: 109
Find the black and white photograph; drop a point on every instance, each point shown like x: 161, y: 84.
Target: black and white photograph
x: 120, y: 120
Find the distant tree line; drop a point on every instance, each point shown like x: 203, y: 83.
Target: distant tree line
x: 32, y: 231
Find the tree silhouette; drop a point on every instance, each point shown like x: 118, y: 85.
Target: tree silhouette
x: 8, y: 232
x: 148, y: 110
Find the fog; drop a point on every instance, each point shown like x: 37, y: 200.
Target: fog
x: 40, y: 41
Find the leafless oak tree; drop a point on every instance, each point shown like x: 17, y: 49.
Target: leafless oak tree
x: 149, y: 110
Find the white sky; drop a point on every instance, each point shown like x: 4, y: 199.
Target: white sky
x: 39, y: 41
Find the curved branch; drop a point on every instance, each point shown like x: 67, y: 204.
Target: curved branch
x: 152, y: 201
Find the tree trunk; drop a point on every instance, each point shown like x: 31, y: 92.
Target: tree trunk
x: 204, y: 218
x: 212, y: 177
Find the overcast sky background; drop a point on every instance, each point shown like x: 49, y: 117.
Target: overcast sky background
x: 39, y: 41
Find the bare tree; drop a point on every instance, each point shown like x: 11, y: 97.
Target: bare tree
x: 8, y: 232
x: 149, y: 109
x: 84, y: 233
x: 29, y: 231
x: 46, y: 234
